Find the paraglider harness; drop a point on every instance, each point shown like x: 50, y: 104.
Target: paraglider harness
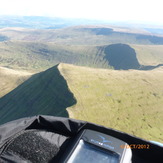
x: 42, y: 139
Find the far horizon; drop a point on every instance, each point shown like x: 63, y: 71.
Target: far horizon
x: 10, y: 20
x: 140, y: 11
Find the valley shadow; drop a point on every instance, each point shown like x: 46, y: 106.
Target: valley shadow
x: 150, y: 67
x: 121, y: 57
x: 45, y: 93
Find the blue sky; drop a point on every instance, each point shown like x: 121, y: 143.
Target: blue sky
x: 117, y: 10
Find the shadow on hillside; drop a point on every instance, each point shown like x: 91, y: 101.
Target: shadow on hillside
x: 44, y: 93
x: 121, y: 57
x: 150, y: 67
x: 158, y: 40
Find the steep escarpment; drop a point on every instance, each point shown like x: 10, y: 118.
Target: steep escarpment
x: 44, y: 93
x: 121, y: 56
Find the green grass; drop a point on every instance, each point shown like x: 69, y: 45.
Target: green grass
x: 130, y: 101
x: 10, y: 79
x: 149, y: 54
x: 44, y: 93
x: 35, y: 56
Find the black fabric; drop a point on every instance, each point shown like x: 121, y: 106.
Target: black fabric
x: 57, y: 133
x: 35, y: 146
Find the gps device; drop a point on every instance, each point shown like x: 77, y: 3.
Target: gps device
x: 95, y: 147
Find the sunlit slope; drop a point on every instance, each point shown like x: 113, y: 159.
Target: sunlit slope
x: 10, y: 79
x: 149, y: 54
x: 44, y: 93
x: 38, y: 56
x: 130, y: 101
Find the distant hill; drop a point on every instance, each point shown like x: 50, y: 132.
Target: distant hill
x: 36, y: 22
x: 38, y: 56
x: 44, y: 22
x: 83, y: 35
x: 130, y: 101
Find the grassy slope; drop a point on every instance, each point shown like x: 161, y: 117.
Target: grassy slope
x: 130, y: 101
x: 41, y: 49
x: 149, y: 54
x: 44, y: 93
x: 10, y: 79
x: 36, y: 56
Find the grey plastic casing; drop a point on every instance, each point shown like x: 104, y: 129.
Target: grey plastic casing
x: 100, y: 141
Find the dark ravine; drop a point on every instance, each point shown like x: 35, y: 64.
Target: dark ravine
x: 44, y: 93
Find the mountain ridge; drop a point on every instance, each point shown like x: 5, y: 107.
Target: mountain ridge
x: 127, y: 100
x: 82, y: 35
x: 36, y: 56
x: 44, y: 93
